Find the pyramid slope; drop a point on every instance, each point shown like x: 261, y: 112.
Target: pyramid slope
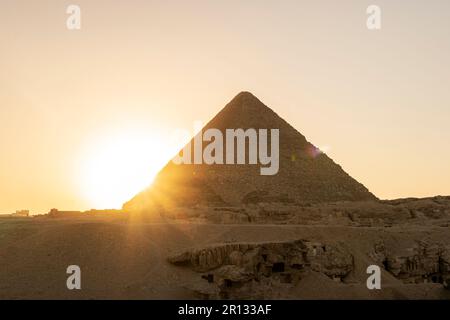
x: 305, y: 175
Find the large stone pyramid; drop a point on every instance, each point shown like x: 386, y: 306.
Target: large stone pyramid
x: 305, y: 174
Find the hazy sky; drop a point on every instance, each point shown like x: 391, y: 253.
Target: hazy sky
x: 377, y: 101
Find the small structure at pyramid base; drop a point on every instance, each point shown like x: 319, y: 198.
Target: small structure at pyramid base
x: 21, y: 214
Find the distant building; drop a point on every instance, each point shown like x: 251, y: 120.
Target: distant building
x: 21, y: 213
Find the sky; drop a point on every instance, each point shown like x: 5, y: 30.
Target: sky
x: 86, y: 115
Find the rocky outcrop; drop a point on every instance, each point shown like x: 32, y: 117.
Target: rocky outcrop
x: 344, y: 213
x: 425, y: 262
x: 238, y: 269
x: 444, y: 266
x: 432, y: 208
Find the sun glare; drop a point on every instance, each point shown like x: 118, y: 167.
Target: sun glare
x: 117, y: 167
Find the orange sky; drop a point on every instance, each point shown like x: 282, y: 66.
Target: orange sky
x: 377, y: 101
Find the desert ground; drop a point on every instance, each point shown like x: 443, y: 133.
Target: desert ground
x: 126, y: 257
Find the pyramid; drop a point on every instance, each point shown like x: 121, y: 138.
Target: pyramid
x: 305, y: 174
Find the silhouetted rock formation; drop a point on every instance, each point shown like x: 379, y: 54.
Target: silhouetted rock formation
x: 305, y: 174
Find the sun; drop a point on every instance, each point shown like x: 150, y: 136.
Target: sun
x: 117, y: 166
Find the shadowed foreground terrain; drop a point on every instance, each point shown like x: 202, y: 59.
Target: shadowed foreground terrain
x: 123, y: 257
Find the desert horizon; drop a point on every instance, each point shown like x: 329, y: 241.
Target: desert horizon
x: 168, y: 161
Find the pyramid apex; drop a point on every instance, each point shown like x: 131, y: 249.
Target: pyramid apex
x: 245, y: 93
x: 245, y: 96
x: 245, y: 101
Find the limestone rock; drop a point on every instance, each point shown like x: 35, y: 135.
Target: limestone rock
x: 421, y: 263
x: 238, y: 269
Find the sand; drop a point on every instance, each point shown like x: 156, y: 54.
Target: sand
x: 126, y: 259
